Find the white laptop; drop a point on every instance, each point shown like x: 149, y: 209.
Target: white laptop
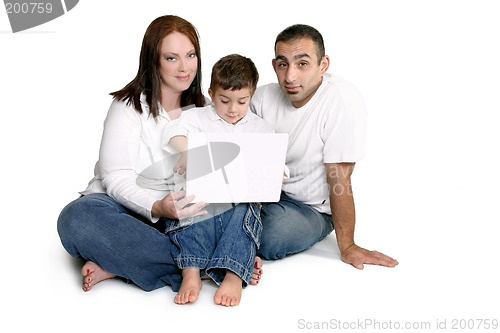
x: 235, y: 167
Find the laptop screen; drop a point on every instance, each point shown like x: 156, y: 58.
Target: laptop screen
x: 235, y: 167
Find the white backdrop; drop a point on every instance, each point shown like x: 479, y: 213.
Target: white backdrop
x: 427, y: 192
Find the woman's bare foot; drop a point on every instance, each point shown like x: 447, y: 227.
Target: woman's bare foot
x: 190, y: 286
x: 229, y: 292
x: 92, y: 274
x: 257, y: 271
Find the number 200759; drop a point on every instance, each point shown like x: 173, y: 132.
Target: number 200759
x: 28, y: 8
x: 474, y: 324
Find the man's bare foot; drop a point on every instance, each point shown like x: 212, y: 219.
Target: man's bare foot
x: 190, y: 286
x: 92, y: 274
x: 257, y: 271
x: 229, y: 292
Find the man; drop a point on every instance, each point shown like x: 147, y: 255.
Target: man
x: 325, y: 118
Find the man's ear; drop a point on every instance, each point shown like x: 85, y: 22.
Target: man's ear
x: 324, y: 64
x: 274, y: 64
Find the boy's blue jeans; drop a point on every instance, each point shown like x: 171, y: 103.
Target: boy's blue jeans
x: 224, y: 239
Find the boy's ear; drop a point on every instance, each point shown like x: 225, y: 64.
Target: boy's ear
x: 210, y: 93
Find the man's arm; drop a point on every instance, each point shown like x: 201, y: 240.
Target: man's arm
x: 338, y: 176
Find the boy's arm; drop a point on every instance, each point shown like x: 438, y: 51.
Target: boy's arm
x: 179, y: 144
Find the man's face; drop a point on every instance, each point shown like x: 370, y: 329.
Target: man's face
x: 296, y: 66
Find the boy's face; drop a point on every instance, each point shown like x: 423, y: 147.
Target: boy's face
x: 231, y: 105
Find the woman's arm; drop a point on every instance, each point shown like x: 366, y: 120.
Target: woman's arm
x: 119, y: 156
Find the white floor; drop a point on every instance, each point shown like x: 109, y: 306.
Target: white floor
x: 448, y: 271
x: 427, y: 192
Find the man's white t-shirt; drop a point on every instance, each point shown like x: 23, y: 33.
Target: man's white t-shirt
x: 330, y: 128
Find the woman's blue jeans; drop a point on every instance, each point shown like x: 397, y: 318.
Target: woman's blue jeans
x: 95, y: 227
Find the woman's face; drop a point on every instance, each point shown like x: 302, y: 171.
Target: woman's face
x: 178, y: 62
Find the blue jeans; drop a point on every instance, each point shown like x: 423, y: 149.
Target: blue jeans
x: 95, y: 227
x: 290, y: 226
x: 225, y: 239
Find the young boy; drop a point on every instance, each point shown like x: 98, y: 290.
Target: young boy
x: 224, y: 245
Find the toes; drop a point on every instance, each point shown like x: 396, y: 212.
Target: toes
x: 186, y: 297
x: 258, y: 262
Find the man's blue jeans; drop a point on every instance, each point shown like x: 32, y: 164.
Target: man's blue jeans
x: 290, y: 227
x: 224, y: 239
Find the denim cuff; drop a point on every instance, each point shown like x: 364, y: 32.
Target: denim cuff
x: 252, y: 223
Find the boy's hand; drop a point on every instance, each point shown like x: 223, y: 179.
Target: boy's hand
x: 180, y: 166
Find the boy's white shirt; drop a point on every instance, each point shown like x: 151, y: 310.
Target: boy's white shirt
x: 206, y: 119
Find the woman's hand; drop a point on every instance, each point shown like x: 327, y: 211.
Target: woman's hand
x: 176, y: 205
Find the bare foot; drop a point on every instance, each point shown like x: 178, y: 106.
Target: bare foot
x: 190, y: 286
x: 229, y: 292
x: 92, y: 274
x: 257, y: 271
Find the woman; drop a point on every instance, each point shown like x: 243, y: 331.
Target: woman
x: 118, y: 224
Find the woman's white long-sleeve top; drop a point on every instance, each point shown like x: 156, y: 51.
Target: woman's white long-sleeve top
x: 132, y: 167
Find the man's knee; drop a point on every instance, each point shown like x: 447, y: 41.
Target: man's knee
x: 289, y: 229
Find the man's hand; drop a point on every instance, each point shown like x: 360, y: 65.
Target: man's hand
x: 358, y: 257
x: 176, y: 205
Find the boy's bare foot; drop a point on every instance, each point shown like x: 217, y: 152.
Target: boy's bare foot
x: 257, y: 271
x: 190, y: 286
x: 92, y: 274
x: 229, y: 292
